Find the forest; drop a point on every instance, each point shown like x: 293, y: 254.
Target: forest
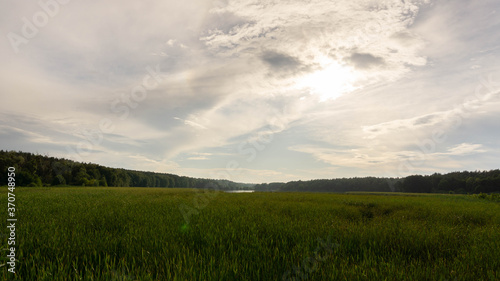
x: 39, y: 170
x: 34, y: 170
x: 455, y: 182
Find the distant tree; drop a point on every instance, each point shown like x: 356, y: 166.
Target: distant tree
x: 82, y: 178
x: 25, y: 178
x: 417, y: 183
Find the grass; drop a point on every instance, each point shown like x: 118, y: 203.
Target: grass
x: 140, y: 234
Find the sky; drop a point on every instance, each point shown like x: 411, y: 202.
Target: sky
x: 254, y: 90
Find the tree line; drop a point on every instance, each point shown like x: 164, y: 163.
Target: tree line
x: 455, y: 182
x: 37, y: 170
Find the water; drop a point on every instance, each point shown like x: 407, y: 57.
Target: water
x: 239, y: 191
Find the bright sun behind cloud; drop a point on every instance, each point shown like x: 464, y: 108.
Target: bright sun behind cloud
x: 330, y: 82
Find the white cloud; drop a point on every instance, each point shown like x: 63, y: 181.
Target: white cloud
x: 318, y: 34
x: 192, y: 123
x: 171, y: 42
x: 466, y: 148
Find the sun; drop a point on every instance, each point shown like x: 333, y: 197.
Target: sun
x: 329, y: 82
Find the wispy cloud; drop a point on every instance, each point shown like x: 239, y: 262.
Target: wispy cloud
x: 199, y: 156
x: 465, y: 149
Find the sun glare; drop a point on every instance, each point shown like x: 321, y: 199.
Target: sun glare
x: 330, y: 82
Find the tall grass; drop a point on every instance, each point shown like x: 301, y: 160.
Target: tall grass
x: 140, y: 234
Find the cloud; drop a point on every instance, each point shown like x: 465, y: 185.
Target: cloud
x: 171, y: 42
x: 192, y: 124
x: 414, y: 123
x: 449, y: 38
x: 351, y: 88
x: 199, y: 156
x: 365, y: 61
x: 465, y: 149
x: 280, y: 62
x: 380, y: 160
x: 486, y: 92
x: 314, y: 33
x: 353, y: 157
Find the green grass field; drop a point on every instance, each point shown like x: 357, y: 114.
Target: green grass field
x: 142, y: 234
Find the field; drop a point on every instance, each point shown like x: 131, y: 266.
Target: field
x: 183, y: 234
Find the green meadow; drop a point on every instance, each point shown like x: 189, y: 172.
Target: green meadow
x: 184, y: 234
